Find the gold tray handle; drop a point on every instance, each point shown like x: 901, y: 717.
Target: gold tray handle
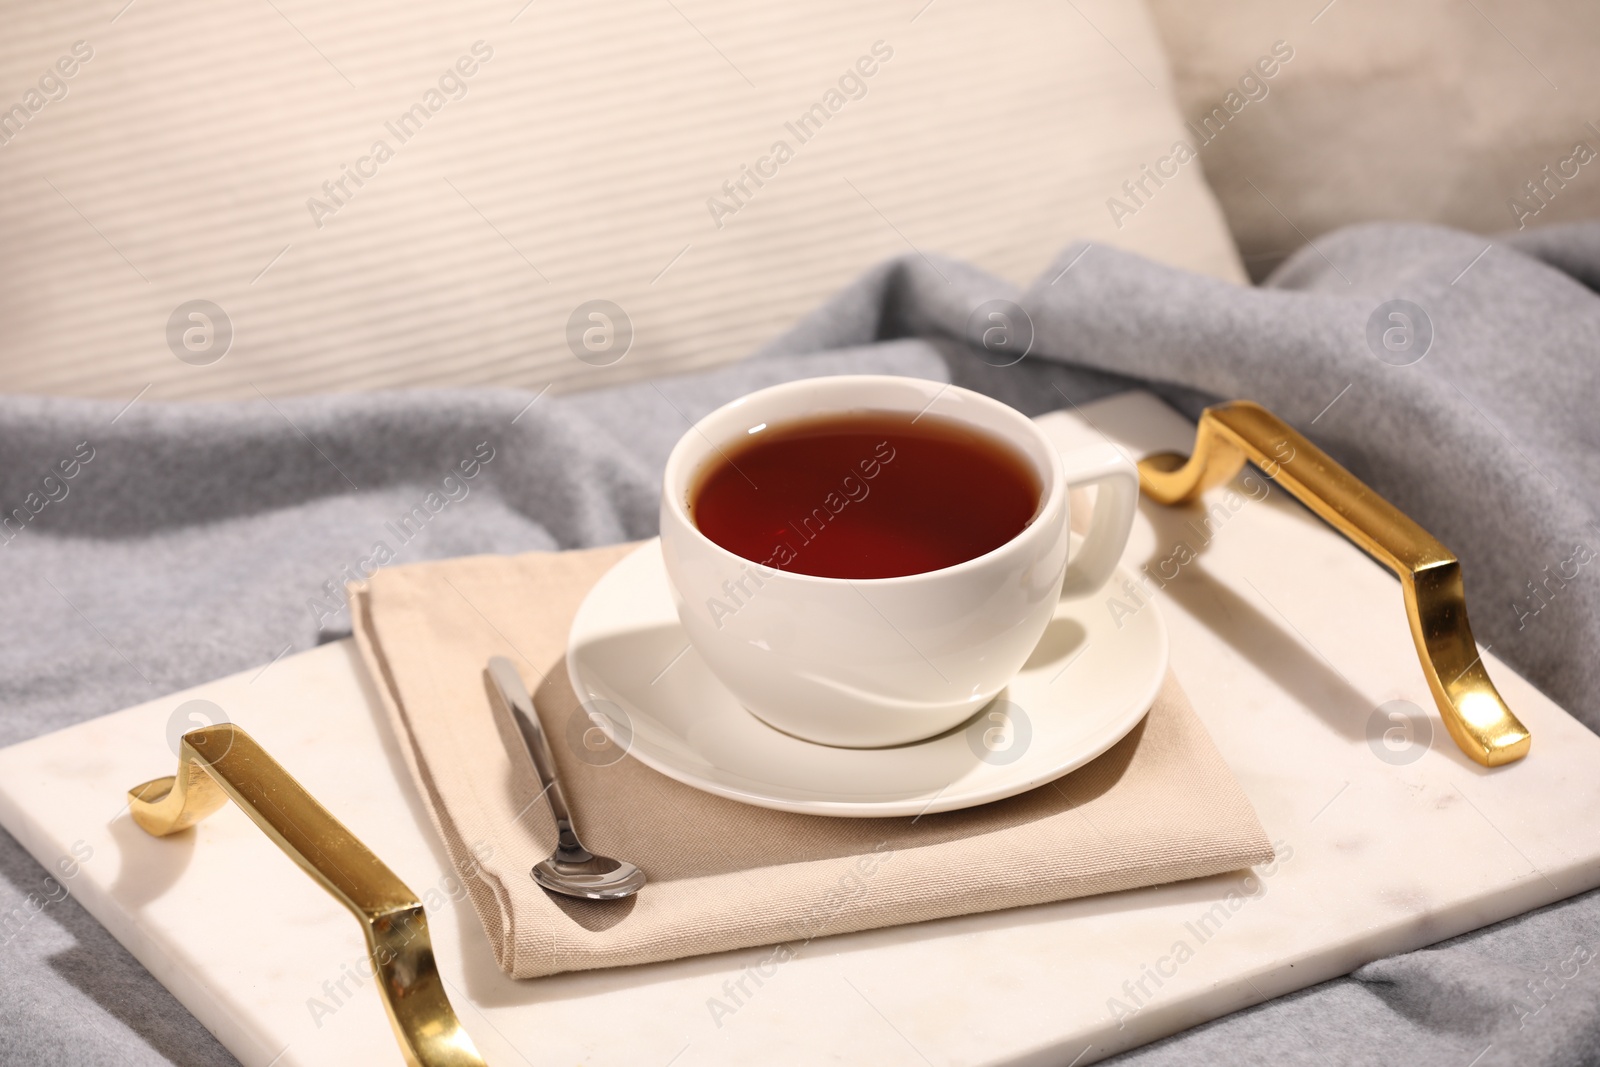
x: 1231, y: 434
x: 220, y: 762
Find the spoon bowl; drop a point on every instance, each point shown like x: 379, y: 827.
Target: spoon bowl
x: 581, y: 874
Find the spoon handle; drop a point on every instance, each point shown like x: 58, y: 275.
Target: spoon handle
x: 508, y: 683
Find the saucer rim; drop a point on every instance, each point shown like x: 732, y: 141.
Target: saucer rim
x: 1101, y: 741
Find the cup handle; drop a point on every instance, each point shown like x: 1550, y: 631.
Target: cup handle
x: 1116, y: 475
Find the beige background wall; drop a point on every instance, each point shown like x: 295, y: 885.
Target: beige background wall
x: 1435, y: 110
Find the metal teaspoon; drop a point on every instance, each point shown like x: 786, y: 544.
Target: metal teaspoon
x: 571, y: 870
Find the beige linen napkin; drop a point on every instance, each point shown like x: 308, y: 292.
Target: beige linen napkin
x: 1158, y: 807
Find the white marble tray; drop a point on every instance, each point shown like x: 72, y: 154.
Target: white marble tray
x: 1287, y: 640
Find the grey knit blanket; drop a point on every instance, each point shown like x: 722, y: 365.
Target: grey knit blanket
x: 149, y: 548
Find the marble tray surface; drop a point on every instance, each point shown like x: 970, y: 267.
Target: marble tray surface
x: 1291, y: 644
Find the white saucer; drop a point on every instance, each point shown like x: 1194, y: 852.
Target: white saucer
x: 1084, y: 688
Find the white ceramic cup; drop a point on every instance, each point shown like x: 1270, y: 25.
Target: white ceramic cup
x: 865, y: 663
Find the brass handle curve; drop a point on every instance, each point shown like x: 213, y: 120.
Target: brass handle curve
x: 1231, y: 434
x: 220, y: 762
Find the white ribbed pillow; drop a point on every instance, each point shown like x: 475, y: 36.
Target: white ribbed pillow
x: 379, y: 195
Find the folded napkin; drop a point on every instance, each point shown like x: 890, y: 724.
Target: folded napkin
x: 1158, y: 807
